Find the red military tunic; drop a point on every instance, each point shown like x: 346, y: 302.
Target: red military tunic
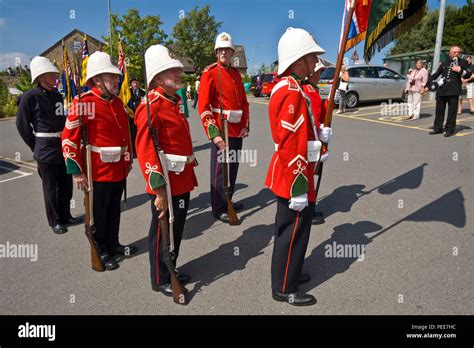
x: 174, y: 137
x: 233, y: 99
x: 107, y: 123
x: 290, y: 174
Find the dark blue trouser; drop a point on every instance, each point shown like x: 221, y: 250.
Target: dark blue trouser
x: 57, y: 191
x: 289, y: 247
x: 107, y: 210
x: 158, y: 271
x: 218, y: 202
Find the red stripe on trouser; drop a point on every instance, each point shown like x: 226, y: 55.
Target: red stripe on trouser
x: 157, y: 254
x: 213, y: 203
x: 289, y: 253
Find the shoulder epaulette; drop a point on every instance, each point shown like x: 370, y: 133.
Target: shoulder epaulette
x: 152, y: 97
x: 83, y: 94
x: 209, y: 67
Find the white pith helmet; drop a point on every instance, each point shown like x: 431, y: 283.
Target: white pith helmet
x: 319, y: 66
x: 294, y: 44
x: 224, y: 40
x: 41, y: 65
x: 99, y: 63
x: 158, y: 59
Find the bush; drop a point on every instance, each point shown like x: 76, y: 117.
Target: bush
x: 8, y: 105
x: 10, y: 108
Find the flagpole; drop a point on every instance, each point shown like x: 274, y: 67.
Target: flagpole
x: 340, y: 57
x: 439, y: 40
x: 335, y: 84
x: 110, y: 28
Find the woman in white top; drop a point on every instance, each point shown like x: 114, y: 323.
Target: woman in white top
x: 417, y: 79
x: 343, y: 84
x: 470, y: 89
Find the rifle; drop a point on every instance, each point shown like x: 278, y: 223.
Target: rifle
x: 233, y: 218
x: 96, y: 261
x: 169, y: 257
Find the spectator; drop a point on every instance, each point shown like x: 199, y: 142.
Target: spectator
x: 188, y: 91
x: 343, y: 84
x: 136, y: 94
x: 447, y: 83
x: 470, y: 86
x: 196, y: 93
x: 258, y: 85
x: 416, y: 81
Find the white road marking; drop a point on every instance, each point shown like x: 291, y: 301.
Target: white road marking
x: 22, y: 174
x: 28, y: 165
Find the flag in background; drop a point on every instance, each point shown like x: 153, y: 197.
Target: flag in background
x: 77, y: 77
x: 85, y: 58
x: 124, y: 88
x: 72, y: 80
x: 65, y: 79
x: 359, y: 22
x: 388, y: 20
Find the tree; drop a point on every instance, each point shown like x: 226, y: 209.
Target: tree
x: 137, y: 35
x: 458, y: 29
x: 24, y: 79
x: 265, y: 69
x: 194, y: 37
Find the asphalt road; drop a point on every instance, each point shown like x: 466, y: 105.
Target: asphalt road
x: 389, y: 188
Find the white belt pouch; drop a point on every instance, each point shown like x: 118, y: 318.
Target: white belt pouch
x: 234, y: 116
x: 110, y: 154
x: 175, y: 163
x: 314, y: 149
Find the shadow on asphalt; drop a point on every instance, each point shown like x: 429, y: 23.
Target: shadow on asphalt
x: 422, y: 115
x: 134, y: 201
x: 343, y: 198
x: 7, y: 167
x: 461, y: 127
x: 204, y: 146
x: 200, y: 219
x: 323, y: 265
x: 227, y: 258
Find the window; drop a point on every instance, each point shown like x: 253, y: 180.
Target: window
x: 363, y: 72
x: 387, y: 74
x: 327, y: 74
x: 268, y: 78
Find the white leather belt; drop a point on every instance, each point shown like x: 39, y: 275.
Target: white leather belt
x: 97, y: 149
x: 47, y: 135
x: 180, y: 158
x: 226, y: 112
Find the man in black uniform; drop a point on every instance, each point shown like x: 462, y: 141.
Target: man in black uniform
x: 136, y: 95
x: 448, y: 88
x: 40, y: 121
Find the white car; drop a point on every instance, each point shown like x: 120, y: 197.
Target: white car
x: 366, y: 83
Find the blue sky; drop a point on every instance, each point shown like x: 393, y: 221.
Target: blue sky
x: 28, y: 27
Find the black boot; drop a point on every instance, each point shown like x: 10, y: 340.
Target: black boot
x: 294, y: 299
x: 109, y: 263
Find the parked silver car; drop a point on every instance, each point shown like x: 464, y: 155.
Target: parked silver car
x: 366, y: 83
